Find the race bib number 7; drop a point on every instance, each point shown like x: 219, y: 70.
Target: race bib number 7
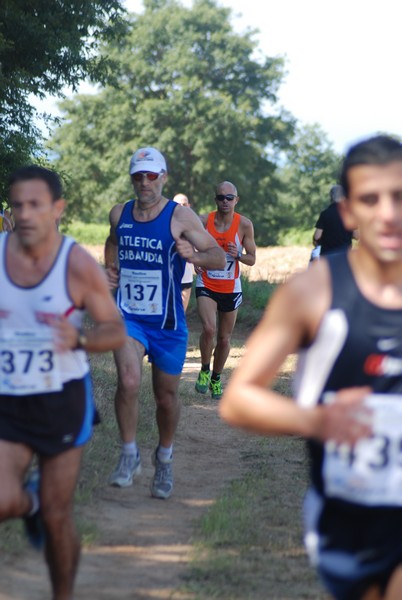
x: 28, y: 363
x: 227, y: 273
x: 371, y: 472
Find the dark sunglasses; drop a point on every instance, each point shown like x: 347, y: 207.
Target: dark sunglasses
x: 141, y: 174
x: 222, y: 197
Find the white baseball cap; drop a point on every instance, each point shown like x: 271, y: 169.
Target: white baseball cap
x: 147, y: 159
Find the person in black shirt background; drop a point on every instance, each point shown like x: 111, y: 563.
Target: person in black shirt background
x: 330, y: 232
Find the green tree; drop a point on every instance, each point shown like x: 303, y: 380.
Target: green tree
x: 44, y: 46
x: 200, y: 92
x: 311, y: 168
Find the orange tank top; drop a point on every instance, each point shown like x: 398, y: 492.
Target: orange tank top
x: 227, y: 280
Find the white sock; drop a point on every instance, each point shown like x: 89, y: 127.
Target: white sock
x: 164, y: 454
x: 129, y: 448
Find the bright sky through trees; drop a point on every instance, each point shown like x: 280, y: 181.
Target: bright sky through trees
x: 343, y: 60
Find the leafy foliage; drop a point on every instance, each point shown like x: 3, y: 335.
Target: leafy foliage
x: 45, y: 45
x: 195, y: 89
x: 312, y: 168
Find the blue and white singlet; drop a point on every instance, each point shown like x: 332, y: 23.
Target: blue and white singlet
x: 151, y: 270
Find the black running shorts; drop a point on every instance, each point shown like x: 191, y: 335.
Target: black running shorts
x: 225, y: 302
x: 50, y: 423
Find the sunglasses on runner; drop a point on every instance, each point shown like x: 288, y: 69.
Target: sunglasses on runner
x: 222, y: 197
x: 139, y: 176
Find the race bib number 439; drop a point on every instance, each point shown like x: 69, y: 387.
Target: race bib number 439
x: 371, y: 472
x: 28, y: 363
x: 141, y: 292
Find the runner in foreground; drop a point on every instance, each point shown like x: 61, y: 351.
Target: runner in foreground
x: 46, y: 403
x: 344, y: 317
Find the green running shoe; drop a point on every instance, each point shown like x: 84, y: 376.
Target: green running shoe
x: 203, y: 381
x: 216, y: 389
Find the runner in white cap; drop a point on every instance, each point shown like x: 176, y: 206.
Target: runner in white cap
x: 150, y: 240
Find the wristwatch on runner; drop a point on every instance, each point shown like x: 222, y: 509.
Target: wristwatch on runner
x: 81, y: 341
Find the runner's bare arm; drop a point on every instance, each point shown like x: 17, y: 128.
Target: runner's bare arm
x: 89, y: 289
x: 194, y: 243
x: 111, y: 247
x: 291, y: 319
x: 317, y: 236
x: 247, y: 258
x: 203, y: 219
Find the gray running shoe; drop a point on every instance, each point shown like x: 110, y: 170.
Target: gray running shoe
x: 127, y: 468
x: 162, y: 484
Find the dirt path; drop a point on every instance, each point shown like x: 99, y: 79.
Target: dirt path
x: 145, y: 543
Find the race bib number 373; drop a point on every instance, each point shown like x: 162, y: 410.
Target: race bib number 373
x: 28, y: 363
x: 371, y: 472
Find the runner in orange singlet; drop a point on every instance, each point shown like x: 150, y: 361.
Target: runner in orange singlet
x: 218, y: 292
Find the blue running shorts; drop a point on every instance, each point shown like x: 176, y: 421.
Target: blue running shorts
x: 166, y: 348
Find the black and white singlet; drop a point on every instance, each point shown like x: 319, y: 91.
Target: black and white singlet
x: 358, y: 344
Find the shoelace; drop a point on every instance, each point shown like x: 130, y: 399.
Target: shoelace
x: 163, y: 471
x: 125, y: 462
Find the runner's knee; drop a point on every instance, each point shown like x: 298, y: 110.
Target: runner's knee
x: 128, y: 382
x: 223, y: 339
x: 56, y: 517
x: 11, y: 501
x: 209, y: 330
x: 167, y: 401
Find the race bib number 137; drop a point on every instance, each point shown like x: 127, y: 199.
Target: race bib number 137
x: 141, y: 292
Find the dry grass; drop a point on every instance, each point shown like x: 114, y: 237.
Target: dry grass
x: 274, y: 263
